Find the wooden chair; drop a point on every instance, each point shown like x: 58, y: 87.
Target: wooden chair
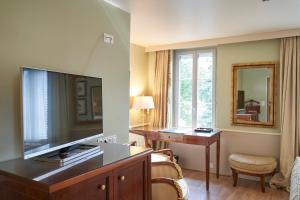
x: 168, y: 182
x: 157, y: 155
x: 167, y: 179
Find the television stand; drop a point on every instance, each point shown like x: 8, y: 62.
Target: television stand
x: 122, y: 171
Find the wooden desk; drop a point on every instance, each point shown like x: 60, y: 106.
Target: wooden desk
x: 187, y: 137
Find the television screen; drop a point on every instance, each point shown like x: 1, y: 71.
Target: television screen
x: 59, y: 110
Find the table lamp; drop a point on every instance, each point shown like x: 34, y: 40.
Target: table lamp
x: 143, y: 103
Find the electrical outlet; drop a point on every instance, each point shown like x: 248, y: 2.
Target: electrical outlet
x: 211, y: 165
x: 99, y: 140
x: 109, y: 139
x: 108, y: 38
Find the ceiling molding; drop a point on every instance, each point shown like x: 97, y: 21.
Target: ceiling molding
x: 226, y: 40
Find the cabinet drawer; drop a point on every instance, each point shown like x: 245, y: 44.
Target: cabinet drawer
x: 96, y: 188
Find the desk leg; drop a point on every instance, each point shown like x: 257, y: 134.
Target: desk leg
x: 218, y: 156
x: 207, y: 158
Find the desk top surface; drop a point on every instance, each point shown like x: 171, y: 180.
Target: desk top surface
x: 179, y: 131
x: 39, y: 171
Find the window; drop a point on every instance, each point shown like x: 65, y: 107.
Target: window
x: 194, y: 88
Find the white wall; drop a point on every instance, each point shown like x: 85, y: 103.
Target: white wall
x: 265, y: 50
x: 63, y: 35
x: 138, y: 81
x: 193, y: 156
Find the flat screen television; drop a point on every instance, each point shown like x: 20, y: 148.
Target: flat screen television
x: 58, y: 110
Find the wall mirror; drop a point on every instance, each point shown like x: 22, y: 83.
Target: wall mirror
x: 253, y: 94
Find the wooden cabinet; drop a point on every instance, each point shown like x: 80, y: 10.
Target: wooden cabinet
x: 129, y: 183
x: 124, y: 178
x: 126, y: 183
x: 99, y: 187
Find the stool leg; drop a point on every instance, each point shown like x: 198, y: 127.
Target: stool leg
x: 262, y: 183
x: 235, y: 177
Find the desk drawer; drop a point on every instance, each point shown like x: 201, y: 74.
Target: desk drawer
x: 171, y: 137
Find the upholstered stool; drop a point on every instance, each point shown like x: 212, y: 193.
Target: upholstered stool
x: 260, y: 166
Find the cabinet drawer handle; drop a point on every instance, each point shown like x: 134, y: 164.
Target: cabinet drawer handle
x: 102, y: 187
x: 122, y: 178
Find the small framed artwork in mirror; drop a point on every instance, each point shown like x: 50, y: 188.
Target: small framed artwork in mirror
x: 81, y: 87
x: 96, y: 102
x: 253, y: 94
x: 81, y: 106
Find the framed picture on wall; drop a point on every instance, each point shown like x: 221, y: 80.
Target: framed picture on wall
x: 81, y: 106
x: 81, y: 88
x: 96, y: 102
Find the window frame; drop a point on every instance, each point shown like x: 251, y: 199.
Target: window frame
x: 194, y: 53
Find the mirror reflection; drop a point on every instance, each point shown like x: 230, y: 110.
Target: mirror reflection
x: 253, y: 94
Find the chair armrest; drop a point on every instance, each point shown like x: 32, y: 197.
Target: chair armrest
x: 137, y: 132
x: 170, y: 182
x: 166, y: 169
x: 168, y: 152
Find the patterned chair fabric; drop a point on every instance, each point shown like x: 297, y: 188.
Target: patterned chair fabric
x: 166, y: 169
x: 167, y: 179
x: 163, y: 191
x: 176, y: 189
x: 159, y: 157
x: 295, y: 181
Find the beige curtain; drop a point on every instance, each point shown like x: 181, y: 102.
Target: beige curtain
x: 160, y: 89
x: 289, y: 107
x: 160, y: 93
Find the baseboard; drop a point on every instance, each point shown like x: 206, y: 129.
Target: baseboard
x: 241, y: 176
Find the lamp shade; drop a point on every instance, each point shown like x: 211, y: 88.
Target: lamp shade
x: 143, y: 102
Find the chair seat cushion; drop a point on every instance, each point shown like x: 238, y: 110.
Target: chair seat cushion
x: 159, y: 157
x: 252, y: 164
x: 184, y: 188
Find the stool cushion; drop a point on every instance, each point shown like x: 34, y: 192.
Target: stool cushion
x: 252, y: 164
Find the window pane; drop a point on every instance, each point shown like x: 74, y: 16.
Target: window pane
x: 205, y: 90
x: 185, y: 83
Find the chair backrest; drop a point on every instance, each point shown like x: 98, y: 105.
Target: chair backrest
x: 162, y: 191
x: 166, y: 169
x: 140, y: 141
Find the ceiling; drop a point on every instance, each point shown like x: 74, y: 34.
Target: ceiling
x: 158, y: 22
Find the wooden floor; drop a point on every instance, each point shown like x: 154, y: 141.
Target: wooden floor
x: 222, y: 188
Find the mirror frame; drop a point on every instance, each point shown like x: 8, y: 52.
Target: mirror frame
x: 254, y: 65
